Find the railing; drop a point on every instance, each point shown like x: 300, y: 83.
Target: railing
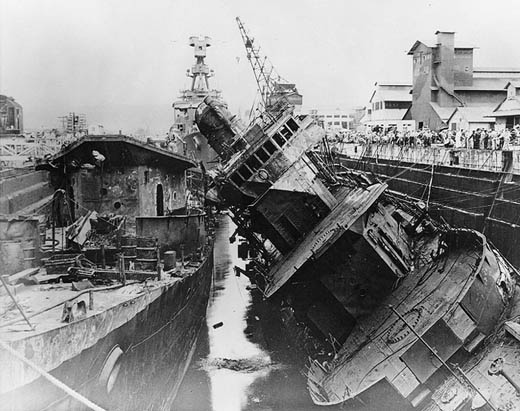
x: 486, y: 160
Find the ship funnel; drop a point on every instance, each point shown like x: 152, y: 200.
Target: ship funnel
x: 222, y: 129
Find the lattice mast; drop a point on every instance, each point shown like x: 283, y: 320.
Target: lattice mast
x: 265, y: 74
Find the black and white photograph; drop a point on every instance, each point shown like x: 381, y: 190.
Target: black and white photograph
x: 264, y: 205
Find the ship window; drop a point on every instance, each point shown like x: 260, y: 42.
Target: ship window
x: 245, y: 172
x: 253, y: 163
x: 286, y: 132
x: 262, y: 155
x: 292, y: 125
x: 237, y: 179
x: 269, y: 147
x: 279, y: 139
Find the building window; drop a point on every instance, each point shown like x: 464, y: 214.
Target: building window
x: 400, y: 105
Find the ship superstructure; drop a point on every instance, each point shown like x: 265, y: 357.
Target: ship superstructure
x: 184, y: 133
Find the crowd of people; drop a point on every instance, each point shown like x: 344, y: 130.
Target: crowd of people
x: 479, y: 138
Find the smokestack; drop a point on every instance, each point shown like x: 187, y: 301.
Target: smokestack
x: 446, y: 58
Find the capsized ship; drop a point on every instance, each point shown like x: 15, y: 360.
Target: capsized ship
x: 382, y: 297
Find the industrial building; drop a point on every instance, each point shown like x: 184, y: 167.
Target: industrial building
x: 11, y: 116
x: 445, y: 78
x: 334, y: 121
x: 507, y: 113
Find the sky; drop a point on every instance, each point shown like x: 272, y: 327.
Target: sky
x: 123, y: 62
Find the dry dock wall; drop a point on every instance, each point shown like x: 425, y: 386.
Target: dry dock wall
x: 19, y: 243
x: 23, y: 190
x: 468, y: 188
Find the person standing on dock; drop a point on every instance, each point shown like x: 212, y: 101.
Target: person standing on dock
x: 506, y: 139
x: 493, y: 136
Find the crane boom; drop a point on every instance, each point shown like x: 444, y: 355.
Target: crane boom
x: 267, y: 79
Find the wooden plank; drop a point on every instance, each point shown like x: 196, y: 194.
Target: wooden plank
x: 13, y: 278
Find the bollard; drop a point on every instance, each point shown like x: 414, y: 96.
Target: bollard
x: 170, y: 260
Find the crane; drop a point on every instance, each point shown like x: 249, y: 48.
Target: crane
x: 272, y: 87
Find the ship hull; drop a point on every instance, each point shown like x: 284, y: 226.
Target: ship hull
x: 155, y: 344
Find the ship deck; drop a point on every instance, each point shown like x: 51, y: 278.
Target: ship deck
x: 328, y: 231
x: 43, y: 303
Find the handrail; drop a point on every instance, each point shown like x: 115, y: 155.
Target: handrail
x: 53, y: 380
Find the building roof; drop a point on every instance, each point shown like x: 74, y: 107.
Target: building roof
x: 415, y: 45
x: 6, y: 100
x: 444, y: 113
x: 496, y: 70
x: 485, y: 84
x: 418, y: 42
x: 118, y: 150
x: 514, y: 83
x: 509, y: 107
x: 474, y: 114
x: 393, y: 84
x: 392, y: 92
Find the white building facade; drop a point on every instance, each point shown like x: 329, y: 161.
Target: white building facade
x: 387, y: 106
x: 334, y: 121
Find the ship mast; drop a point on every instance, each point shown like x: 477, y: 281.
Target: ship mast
x: 200, y: 72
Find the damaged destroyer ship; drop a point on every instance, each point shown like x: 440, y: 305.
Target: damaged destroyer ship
x: 383, y: 298
x: 107, y: 313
